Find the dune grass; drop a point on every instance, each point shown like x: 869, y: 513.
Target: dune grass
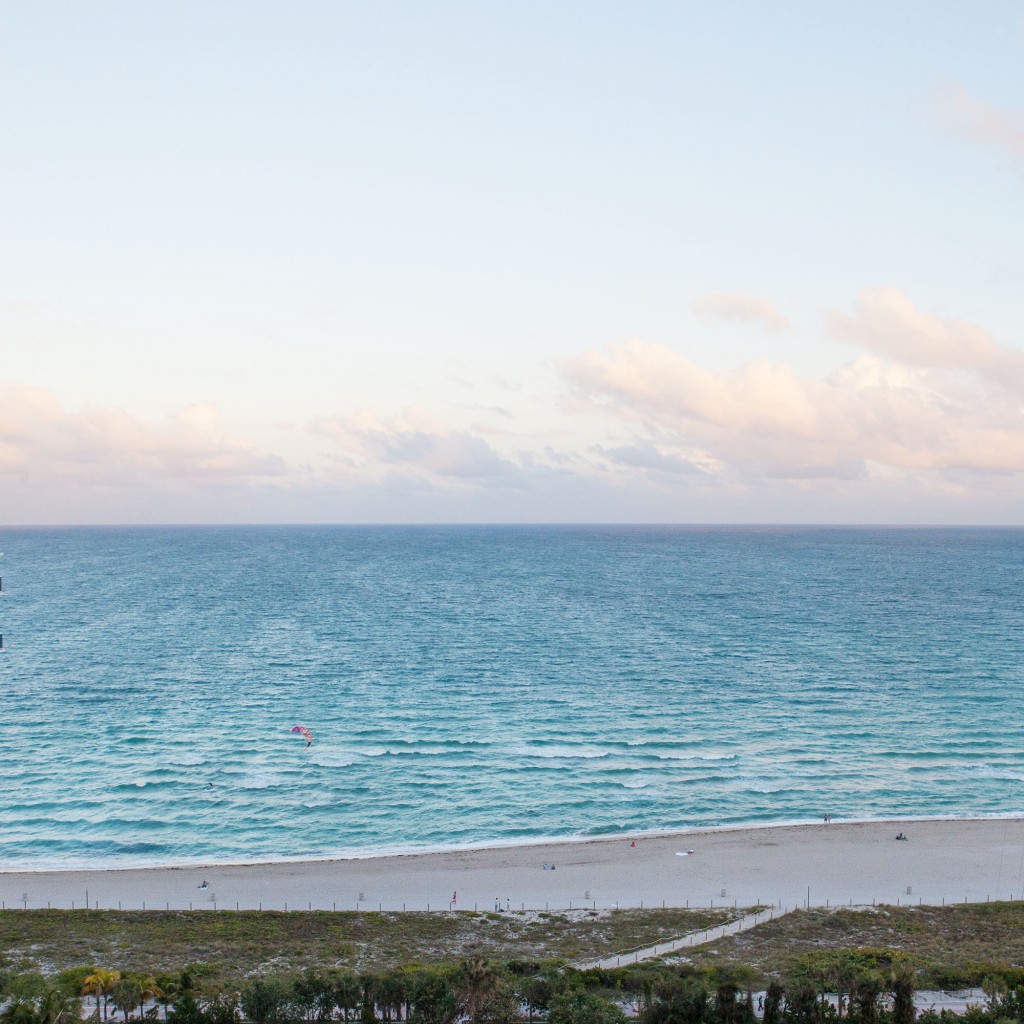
x: 948, y: 946
x: 230, y: 945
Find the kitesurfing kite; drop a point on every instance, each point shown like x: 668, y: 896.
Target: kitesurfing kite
x: 305, y: 732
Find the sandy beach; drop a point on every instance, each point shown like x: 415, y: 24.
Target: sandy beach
x: 857, y: 863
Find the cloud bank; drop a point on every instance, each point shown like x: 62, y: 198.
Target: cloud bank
x: 100, y: 464
x: 927, y: 413
x: 924, y: 394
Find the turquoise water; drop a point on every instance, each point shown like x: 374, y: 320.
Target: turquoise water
x: 479, y: 684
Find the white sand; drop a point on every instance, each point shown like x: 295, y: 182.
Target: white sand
x: 838, y: 863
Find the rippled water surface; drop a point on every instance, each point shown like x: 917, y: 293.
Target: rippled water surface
x: 473, y: 684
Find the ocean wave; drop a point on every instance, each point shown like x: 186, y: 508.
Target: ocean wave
x: 136, y: 784
x: 679, y: 756
x: 1004, y: 773
x: 262, y: 780
x: 327, y: 759
x: 187, y: 760
x: 561, y: 752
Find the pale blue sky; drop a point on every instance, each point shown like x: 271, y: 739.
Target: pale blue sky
x: 377, y: 251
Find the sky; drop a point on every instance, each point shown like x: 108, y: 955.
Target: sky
x: 511, y: 262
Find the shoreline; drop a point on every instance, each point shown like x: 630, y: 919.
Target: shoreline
x: 496, y: 845
x: 848, y: 862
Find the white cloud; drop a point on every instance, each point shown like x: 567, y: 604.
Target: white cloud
x: 416, y: 442
x: 978, y: 121
x: 929, y: 410
x: 641, y: 380
x: 885, y: 321
x: 106, y: 447
x: 741, y: 308
x: 926, y: 396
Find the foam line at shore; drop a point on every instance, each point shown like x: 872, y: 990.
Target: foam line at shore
x: 410, y: 850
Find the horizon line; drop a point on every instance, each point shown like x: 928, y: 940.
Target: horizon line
x: 483, y: 524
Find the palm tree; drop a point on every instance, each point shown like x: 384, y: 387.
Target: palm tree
x: 127, y: 996
x: 726, y: 1006
x: 867, y: 993
x: 368, y: 1006
x: 347, y: 994
x: 434, y: 1001
x: 773, y: 1002
x: 100, y: 984
x: 902, y: 985
x: 151, y: 989
x: 536, y: 992
x: 57, y: 1007
x: 477, y: 984
x: 313, y: 996
x: 391, y: 996
x: 20, y: 1010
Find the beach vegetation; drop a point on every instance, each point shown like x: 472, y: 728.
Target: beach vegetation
x: 126, y: 995
x: 945, y: 947
x: 348, y: 994
x: 581, y: 1006
x: 227, y: 947
x: 100, y: 984
x: 264, y: 1001
x: 186, y: 1010
x: 773, y: 1002
x: 476, y: 989
x: 434, y: 1000
x: 818, y: 967
x: 31, y: 999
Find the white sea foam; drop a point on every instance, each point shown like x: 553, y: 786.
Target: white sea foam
x: 560, y: 751
x: 691, y: 756
x: 334, y: 759
x: 636, y: 783
x: 186, y: 759
x: 261, y: 780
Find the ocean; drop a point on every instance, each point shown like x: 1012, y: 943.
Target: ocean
x: 494, y: 685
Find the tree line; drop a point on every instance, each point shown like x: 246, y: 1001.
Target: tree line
x: 855, y: 986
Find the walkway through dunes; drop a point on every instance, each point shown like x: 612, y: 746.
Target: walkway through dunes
x: 687, y: 941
